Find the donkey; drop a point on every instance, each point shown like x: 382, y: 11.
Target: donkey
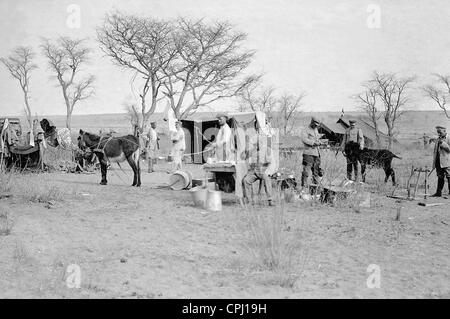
x: 113, y: 149
x: 377, y: 158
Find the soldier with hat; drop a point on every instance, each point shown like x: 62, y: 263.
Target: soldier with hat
x: 352, y: 143
x: 222, y: 143
x: 441, y: 159
x: 311, y: 154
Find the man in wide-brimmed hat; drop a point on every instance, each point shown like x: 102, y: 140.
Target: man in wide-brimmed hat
x: 352, y: 143
x: 311, y: 154
x: 222, y: 143
x: 441, y: 159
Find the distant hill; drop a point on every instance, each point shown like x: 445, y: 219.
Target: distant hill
x: 411, y: 126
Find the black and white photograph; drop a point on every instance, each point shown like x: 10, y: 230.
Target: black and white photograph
x: 240, y: 150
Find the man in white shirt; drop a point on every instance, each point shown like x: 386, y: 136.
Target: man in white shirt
x: 152, y: 146
x: 178, y: 146
x: 222, y: 144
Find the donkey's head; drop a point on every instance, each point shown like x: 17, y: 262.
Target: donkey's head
x: 87, y: 140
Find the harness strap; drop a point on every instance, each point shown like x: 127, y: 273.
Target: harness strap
x: 101, y: 150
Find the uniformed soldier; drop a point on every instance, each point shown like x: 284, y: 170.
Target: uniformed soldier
x: 352, y: 143
x: 311, y: 154
x: 441, y: 159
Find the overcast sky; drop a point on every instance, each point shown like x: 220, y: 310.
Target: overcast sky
x: 322, y: 47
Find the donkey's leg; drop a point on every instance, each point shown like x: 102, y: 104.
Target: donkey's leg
x: 138, y: 169
x: 393, y: 177
x: 130, y: 160
x: 104, y: 170
x: 389, y: 172
x: 363, y: 171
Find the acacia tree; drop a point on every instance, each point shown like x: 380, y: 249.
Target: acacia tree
x: 288, y: 109
x: 208, y: 66
x: 20, y: 64
x: 368, y: 102
x: 144, y: 46
x: 440, y: 92
x: 66, y: 57
x: 392, y: 92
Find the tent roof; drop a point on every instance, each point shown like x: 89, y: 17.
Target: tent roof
x: 333, y: 127
x: 243, y: 117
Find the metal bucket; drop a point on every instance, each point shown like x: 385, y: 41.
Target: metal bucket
x: 199, y: 196
x: 214, y: 201
x: 180, y: 180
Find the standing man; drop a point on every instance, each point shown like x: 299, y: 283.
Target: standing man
x: 178, y: 146
x: 352, y: 143
x: 260, y: 159
x: 152, y: 146
x: 311, y: 154
x: 441, y: 159
x: 222, y: 144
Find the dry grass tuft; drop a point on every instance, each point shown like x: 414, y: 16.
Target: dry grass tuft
x: 6, y: 224
x: 30, y: 187
x: 272, y: 248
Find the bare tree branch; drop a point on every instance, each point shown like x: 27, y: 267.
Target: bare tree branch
x: 440, y: 95
x: 65, y: 58
x: 368, y: 102
x: 288, y: 110
x: 208, y: 66
x: 392, y: 92
x: 20, y: 64
x: 256, y: 97
x: 143, y: 45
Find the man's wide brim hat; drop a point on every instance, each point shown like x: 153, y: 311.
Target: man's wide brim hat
x: 221, y: 115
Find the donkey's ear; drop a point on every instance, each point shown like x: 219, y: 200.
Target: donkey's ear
x: 81, y: 132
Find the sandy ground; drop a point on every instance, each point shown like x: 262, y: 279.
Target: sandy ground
x: 153, y: 243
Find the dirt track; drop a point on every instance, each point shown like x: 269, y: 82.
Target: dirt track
x: 152, y: 243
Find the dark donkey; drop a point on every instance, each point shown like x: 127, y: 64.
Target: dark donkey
x: 113, y: 149
x: 377, y: 158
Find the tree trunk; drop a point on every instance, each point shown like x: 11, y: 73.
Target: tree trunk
x: 377, y: 134
x: 27, y: 108
x: 68, y: 119
x: 390, y: 137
